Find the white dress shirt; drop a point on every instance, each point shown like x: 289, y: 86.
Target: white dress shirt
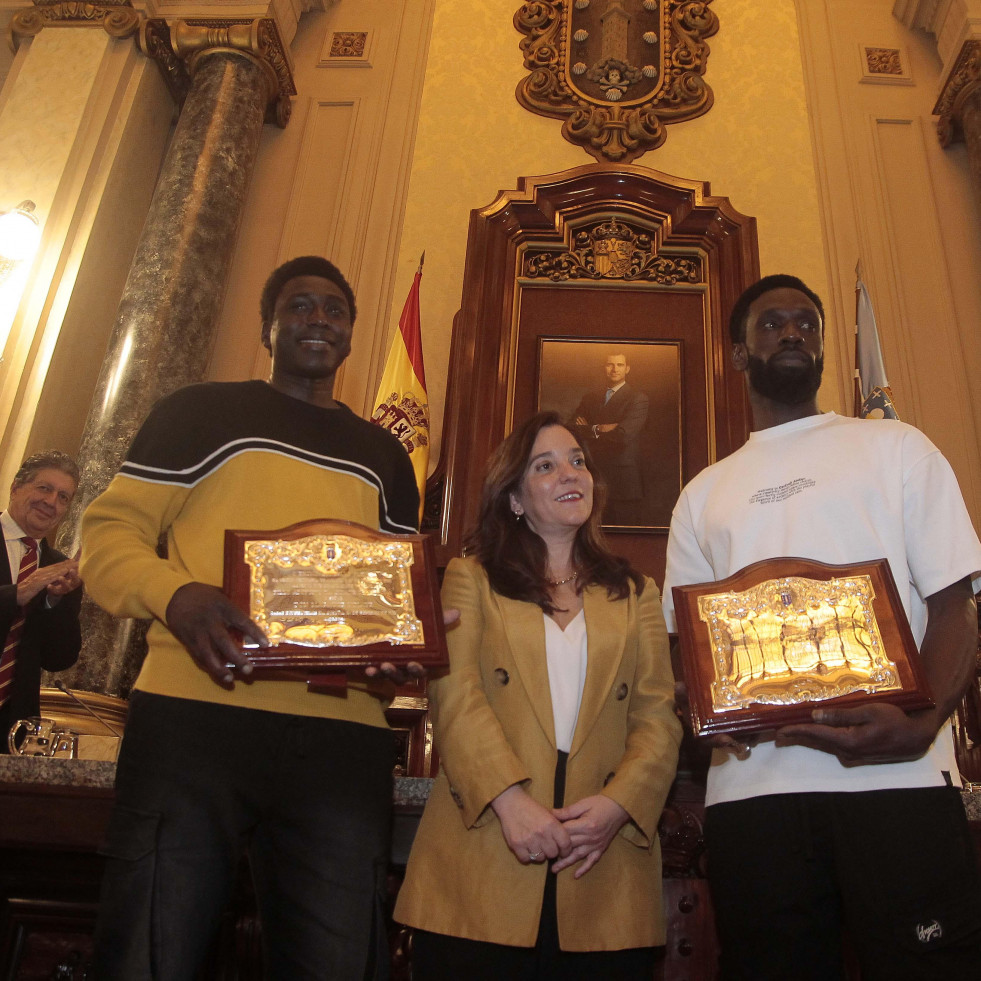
x: 565, y: 653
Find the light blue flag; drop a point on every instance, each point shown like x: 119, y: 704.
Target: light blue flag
x: 874, y: 385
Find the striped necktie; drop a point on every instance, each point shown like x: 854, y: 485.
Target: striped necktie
x: 9, y: 656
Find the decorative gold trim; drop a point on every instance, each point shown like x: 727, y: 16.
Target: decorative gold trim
x: 116, y: 17
x: 333, y: 591
x: 178, y: 46
x: 616, y: 73
x: 66, y: 712
x: 961, y: 84
x: 413, y: 703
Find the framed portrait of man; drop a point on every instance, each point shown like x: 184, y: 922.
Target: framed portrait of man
x: 623, y: 401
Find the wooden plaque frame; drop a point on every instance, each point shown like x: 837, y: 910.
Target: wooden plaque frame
x: 293, y: 660
x: 697, y: 657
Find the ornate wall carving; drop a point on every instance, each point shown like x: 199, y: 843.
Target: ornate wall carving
x: 176, y: 46
x: 348, y: 44
x: 883, y: 61
x: 118, y: 18
x: 961, y: 84
x: 616, y: 71
x: 613, y: 249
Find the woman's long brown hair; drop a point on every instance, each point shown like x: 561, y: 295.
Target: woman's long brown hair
x: 513, y: 555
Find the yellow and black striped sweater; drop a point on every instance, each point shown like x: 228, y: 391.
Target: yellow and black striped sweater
x: 235, y: 455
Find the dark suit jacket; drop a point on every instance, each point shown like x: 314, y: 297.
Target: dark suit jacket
x: 51, y: 640
x: 616, y: 452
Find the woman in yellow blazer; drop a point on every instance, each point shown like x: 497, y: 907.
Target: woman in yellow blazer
x: 537, y: 855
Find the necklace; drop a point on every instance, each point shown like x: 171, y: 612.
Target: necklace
x: 562, y: 582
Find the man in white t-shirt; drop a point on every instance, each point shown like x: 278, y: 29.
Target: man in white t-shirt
x: 852, y: 822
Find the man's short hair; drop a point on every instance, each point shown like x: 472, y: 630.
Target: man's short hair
x: 778, y: 281
x: 46, y: 460
x: 304, y: 265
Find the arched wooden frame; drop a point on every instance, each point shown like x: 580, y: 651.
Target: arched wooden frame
x: 686, y: 256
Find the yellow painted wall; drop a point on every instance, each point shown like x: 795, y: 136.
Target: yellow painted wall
x: 475, y: 139
x: 387, y: 155
x: 833, y: 165
x: 894, y: 198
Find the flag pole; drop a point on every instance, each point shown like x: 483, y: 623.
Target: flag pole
x: 402, y: 403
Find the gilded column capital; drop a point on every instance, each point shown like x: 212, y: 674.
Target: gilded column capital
x: 116, y: 17
x: 179, y: 45
x: 962, y: 83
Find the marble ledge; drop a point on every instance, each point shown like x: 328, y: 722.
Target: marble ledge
x: 410, y: 792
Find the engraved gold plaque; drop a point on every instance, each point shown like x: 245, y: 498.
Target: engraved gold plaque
x: 760, y: 648
x: 332, y: 595
x: 333, y: 591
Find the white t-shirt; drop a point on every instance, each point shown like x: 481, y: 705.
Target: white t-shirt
x: 835, y: 490
x: 565, y: 652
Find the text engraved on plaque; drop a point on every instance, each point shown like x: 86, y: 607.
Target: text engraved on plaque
x: 333, y: 590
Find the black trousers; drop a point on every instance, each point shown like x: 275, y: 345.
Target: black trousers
x: 310, y: 799
x: 437, y: 957
x: 896, y: 869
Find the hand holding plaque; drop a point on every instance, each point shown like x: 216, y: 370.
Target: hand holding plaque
x: 766, y: 646
x: 334, y: 595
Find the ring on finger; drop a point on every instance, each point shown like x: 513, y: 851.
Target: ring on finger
x: 534, y: 856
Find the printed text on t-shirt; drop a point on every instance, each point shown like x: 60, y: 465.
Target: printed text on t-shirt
x: 770, y: 495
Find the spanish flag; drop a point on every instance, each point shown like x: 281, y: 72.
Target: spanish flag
x: 402, y: 405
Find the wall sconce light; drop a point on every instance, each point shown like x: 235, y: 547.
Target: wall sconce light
x: 20, y: 234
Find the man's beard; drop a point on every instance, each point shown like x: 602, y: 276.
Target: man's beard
x: 787, y: 384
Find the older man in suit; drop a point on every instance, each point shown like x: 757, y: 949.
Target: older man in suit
x: 610, y: 422
x: 40, y: 592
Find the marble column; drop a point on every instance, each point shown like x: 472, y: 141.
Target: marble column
x: 169, y: 310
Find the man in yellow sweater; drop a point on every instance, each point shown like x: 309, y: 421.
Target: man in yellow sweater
x: 213, y: 762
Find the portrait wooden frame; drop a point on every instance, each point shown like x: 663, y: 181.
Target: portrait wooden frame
x: 314, y: 663
x: 571, y: 368
x: 622, y: 253
x: 697, y: 657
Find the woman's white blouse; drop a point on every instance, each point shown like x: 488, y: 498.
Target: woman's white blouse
x: 565, y: 652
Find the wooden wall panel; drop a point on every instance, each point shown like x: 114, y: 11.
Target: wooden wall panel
x: 323, y: 182
x: 508, y: 305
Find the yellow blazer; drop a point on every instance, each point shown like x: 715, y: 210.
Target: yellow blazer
x: 493, y: 726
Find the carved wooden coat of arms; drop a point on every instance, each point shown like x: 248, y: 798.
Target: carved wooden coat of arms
x: 616, y: 70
